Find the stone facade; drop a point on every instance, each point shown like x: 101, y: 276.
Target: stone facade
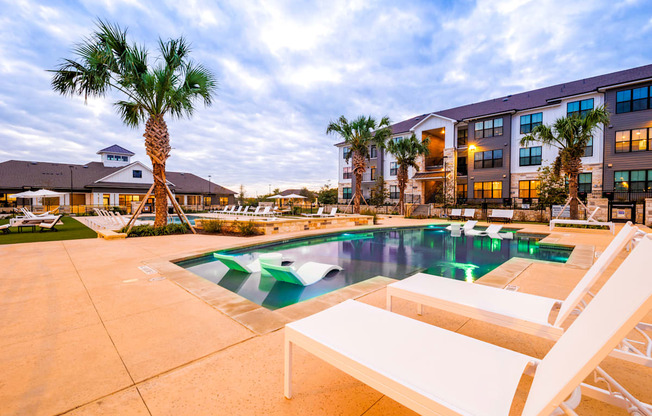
x: 282, y: 226
x: 648, y: 211
x: 603, y: 212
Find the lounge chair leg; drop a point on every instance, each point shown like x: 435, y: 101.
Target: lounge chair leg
x: 288, y: 369
x: 419, y: 309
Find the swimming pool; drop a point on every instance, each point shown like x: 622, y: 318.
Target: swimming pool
x: 395, y: 253
x: 172, y: 218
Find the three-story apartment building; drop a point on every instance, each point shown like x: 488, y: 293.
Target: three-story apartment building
x: 476, y: 155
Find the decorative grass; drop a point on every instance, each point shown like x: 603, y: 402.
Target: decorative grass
x: 70, y: 230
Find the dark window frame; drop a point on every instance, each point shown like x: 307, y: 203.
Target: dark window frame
x: 490, y: 190
x: 529, y: 124
x: 347, y: 190
x: 393, y: 168
x: 489, y: 128
x: 347, y: 174
x: 394, y: 192
x: 647, y: 181
x: 488, y: 163
x: 529, y: 159
x: 530, y: 190
x: 346, y: 151
x: 581, y: 111
x: 582, y: 186
x: 463, y: 139
x: 373, y: 152
x: 630, y: 147
x: 632, y: 104
x: 137, y: 174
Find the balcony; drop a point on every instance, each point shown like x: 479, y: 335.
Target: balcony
x: 435, y: 163
x: 368, y: 177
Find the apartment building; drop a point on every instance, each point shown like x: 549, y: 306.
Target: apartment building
x: 476, y: 155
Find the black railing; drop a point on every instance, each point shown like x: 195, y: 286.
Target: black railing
x: 628, y: 196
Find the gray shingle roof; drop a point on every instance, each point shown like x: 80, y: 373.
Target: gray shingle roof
x: 530, y: 99
x: 16, y: 174
x: 116, y: 150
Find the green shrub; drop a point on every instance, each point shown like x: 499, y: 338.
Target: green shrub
x: 585, y: 226
x: 148, y: 230
x: 213, y: 226
x: 246, y: 229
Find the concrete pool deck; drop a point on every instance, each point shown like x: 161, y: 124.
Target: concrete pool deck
x: 84, y: 330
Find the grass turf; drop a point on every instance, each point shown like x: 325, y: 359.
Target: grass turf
x: 70, y: 230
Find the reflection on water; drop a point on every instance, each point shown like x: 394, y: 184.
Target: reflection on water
x: 393, y: 253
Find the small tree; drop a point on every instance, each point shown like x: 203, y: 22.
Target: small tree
x: 570, y: 135
x: 359, y: 135
x: 553, y: 188
x: 406, y: 152
x: 310, y: 196
x: 379, y: 193
x: 327, y: 195
x: 241, y: 195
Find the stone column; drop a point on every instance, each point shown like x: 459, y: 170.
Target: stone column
x: 450, y: 160
x: 603, y: 203
x: 648, y: 211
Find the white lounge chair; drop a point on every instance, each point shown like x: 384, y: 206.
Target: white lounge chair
x: 455, y: 212
x: 519, y: 311
x: 469, y: 213
x: 51, y: 225
x: 492, y: 231
x: 308, y: 274
x: 466, y: 227
x: 501, y: 214
x: 266, y: 212
x: 255, y: 212
x: 589, y: 221
x: 428, y: 369
x: 318, y: 214
x: 236, y: 212
x: 5, y: 228
x: 331, y: 214
x: 238, y: 263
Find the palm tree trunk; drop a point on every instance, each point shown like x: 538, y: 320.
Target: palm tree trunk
x: 402, y: 175
x: 157, y: 145
x: 572, y: 193
x: 359, y: 168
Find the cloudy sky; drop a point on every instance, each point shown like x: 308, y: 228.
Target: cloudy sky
x: 286, y: 68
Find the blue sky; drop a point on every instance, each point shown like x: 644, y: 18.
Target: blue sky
x: 286, y: 68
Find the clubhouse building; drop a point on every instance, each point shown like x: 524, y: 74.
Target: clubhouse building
x: 476, y: 156
x: 113, y: 181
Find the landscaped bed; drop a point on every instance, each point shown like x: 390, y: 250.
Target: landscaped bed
x: 71, y: 229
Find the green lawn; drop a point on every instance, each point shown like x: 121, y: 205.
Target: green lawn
x: 70, y: 230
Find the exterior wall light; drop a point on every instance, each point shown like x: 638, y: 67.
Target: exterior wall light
x: 472, y: 148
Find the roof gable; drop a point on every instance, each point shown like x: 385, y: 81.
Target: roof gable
x: 115, y: 149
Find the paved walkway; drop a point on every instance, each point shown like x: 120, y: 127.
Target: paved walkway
x: 84, y: 330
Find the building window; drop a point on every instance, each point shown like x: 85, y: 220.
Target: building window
x: 579, y: 108
x: 530, y: 156
x: 588, y: 149
x: 489, y: 128
x: 346, y: 193
x: 346, y: 152
x: 584, y: 183
x: 393, y: 168
x: 488, y: 189
x: 462, y: 137
x: 393, y: 192
x: 125, y: 159
x: 373, y: 152
x: 346, y: 173
x: 530, y: 121
x: 632, y: 140
x: 633, y: 180
x: 109, y: 157
x: 462, y: 190
x: 488, y: 159
x: 137, y: 173
x: 224, y: 200
x: 528, y: 189
x: 373, y: 173
x: 632, y: 100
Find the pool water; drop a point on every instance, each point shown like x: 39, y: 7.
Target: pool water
x: 395, y: 253
x: 172, y: 218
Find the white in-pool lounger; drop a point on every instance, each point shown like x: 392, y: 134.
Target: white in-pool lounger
x: 519, y: 311
x: 238, y: 263
x: 428, y: 369
x: 306, y: 275
x: 466, y: 227
x: 492, y: 230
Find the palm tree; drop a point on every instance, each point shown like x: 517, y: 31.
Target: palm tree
x: 358, y: 135
x: 406, y: 152
x: 169, y: 84
x: 570, y: 135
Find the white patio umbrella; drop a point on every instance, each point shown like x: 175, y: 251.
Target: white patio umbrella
x: 44, y: 193
x: 24, y: 194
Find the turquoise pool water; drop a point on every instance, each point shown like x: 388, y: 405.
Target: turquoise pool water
x: 396, y: 253
x: 172, y: 218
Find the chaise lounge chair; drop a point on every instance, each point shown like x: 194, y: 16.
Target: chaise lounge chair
x: 519, y: 311
x: 330, y: 214
x: 491, y: 231
x: 469, y: 213
x: 466, y: 227
x: 238, y: 263
x: 455, y: 213
x: 51, y: 225
x: 318, y: 214
x: 588, y: 221
x: 306, y: 275
x: 428, y: 369
x: 5, y: 228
